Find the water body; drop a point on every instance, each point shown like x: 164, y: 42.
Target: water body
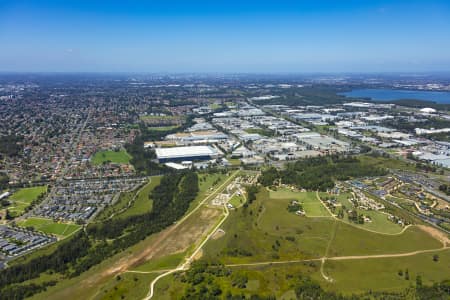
x: 392, y: 94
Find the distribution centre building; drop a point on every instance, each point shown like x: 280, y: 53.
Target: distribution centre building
x: 186, y: 153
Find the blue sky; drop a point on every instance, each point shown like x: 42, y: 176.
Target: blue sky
x: 225, y: 36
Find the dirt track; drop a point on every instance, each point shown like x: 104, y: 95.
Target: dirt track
x: 176, y: 238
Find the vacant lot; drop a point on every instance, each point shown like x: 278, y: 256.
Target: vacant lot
x: 49, y: 226
x: 21, y: 199
x: 118, y: 157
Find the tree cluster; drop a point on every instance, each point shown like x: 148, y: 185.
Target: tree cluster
x: 319, y: 173
x: 10, y: 145
x: 445, y: 188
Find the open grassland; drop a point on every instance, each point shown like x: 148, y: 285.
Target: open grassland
x: 266, y: 231
x: 130, y: 203
x: 126, y: 286
x: 142, y: 202
x: 167, y: 262
x: 21, y: 199
x: 312, y: 206
x: 385, y: 162
x: 350, y: 240
x: 237, y: 201
x: 380, y: 222
x: 50, y: 226
x: 348, y: 276
x: 356, y: 276
x: 118, y: 157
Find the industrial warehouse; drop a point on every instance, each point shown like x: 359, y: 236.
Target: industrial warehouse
x: 186, y: 153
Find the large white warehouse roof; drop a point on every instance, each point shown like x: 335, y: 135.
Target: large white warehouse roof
x: 189, y: 151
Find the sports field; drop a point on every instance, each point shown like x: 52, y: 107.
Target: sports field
x: 49, y: 226
x: 162, y: 128
x: 21, y: 199
x: 119, y: 157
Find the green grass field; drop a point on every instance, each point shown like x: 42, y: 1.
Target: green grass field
x: 343, y: 198
x: 237, y: 201
x: 49, y: 226
x: 162, y: 128
x: 255, y: 230
x: 350, y: 240
x: 126, y: 286
x: 167, y: 117
x: 142, y: 203
x: 21, y: 199
x: 390, y: 163
x: 215, y: 106
x: 119, y: 157
x: 381, y: 274
x: 167, y: 262
x: 312, y: 206
x: 251, y: 234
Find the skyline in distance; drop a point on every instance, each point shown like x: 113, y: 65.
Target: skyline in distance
x: 225, y: 36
